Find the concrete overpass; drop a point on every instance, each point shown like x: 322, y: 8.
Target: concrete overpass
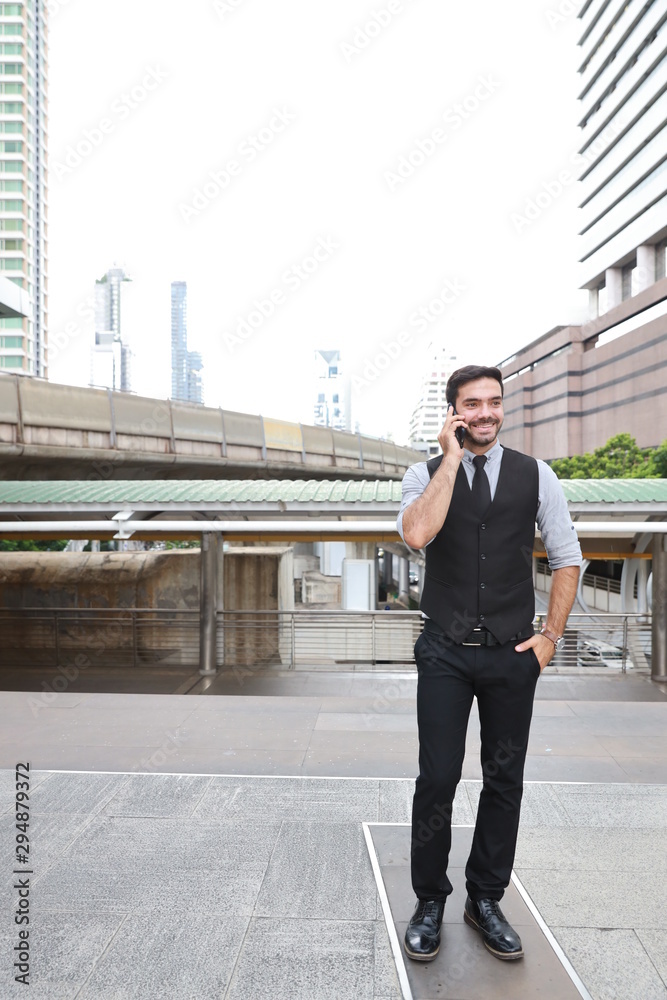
x: 50, y: 431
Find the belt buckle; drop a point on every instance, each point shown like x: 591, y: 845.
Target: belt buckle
x: 480, y: 643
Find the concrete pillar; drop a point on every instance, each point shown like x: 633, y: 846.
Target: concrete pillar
x: 95, y: 545
x: 404, y: 580
x: 593, y: 303
x: 614, y: 283
x: 388, y: 570
x: 208, y: 602
x: 659, y: 626
x: 645, y: 266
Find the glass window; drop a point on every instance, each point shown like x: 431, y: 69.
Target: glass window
x: 11, y: 244
x: 11, y: 9
x: 11, y: 342
x: 333, y: 370
x: 16, y: 127
x: 11, y: 185
x: 11, y: 48
x: 11, y: 205
x: 11, y: 108
x: 11, y: 69
x: 335, y: 397
x: 11, y: 88
x: 11, y: 264
x: 11, y: 323
x: 11, y: 362
x: 11, y: 29
x: 11, y: 146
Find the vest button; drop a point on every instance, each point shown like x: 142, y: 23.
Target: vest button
x: 483, y: 527
x: 482, y: 586
x: 482, y: 556
x: 481, y: 618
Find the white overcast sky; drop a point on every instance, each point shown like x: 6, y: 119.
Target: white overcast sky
x: 220, y: 71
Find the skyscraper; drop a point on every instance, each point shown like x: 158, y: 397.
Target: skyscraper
x: 23, y: 203
x: 186, y: 366
x: 624, y: 176
x: 111, y: 353
x: 332, y: 392
x: 429, y: 414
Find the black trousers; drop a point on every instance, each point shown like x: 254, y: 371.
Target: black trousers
x: 503, y: 681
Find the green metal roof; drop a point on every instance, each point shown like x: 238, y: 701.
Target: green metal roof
x: 199, y: 491
x: 169, y: 491
x: 615, y: 490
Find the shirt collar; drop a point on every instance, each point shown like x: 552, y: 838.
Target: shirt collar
x: 493, y: 455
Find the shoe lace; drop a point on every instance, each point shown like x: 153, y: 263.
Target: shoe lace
x: 429, y: 908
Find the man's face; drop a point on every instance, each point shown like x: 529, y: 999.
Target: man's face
x: 481, y: 403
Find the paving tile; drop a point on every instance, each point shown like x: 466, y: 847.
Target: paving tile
x: 628, y: 806
x: 592, y: 849
x: 552, y: 709
x: 50, y: 834
x: 338, y: 963
x: 211, y: 732
x: 576, y: 898
x: 214, y: 724
x: 361, y: 741
x: 641, y: 769
x: 281, y: 705
x: 396, y: 803
x: 655, y: 944
x: 174, y: 955
x: 169, y: 843
x: 319, y: 870
x: 8, y: 785
x: 75, y: 793
x: 613, y: 960
x: 551, y: 767
x: 363, y: 722
x: 199, y: 760
x: 107, y: 731
x: 88, y: 758
x: 64, y: 946
x: 157, y: 795
x: 360, y: 764
x: 581, y: 744
x: 401, y: 702
x: 225, y: 890
x: 305, y: 799
x: 654, y: 747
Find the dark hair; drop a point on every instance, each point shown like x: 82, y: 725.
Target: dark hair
x: 469, y: 373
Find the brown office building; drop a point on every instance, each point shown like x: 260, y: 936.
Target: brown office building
x: 572, y: 389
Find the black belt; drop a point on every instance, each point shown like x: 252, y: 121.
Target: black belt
x: 478, y: 637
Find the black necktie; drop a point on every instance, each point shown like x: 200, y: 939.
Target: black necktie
x: 481, y: 491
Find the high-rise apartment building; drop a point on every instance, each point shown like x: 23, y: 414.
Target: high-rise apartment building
x: 623, y: 100
x: 111, y: 355
x: 23, y: 189
x: 186, y: 366
x: 332, y: 392
x: 431, y: 409
x: 572, y: 389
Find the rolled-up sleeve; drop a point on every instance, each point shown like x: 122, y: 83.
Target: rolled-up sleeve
x: 415, y: 481
x: 553, y: 519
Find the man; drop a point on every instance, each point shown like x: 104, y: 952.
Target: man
x: 474, y: 508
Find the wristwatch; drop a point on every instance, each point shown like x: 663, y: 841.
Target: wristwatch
x: 558, y: 640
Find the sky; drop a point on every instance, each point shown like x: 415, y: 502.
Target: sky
x: 377, y: 177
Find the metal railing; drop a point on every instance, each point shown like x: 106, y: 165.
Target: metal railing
x: 326, y: 639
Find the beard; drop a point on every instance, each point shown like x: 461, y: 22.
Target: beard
x: 486, y: 434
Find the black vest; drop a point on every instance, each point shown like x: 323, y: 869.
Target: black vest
x: 479, y: 571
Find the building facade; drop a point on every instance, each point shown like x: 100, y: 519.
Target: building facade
x: 111, y: 355
x: 186, y: 366
x: 572, y: 389
x: 431, y: 409
x: 332, y: 392
x: 23, y: 182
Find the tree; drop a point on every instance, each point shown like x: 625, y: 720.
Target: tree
x: 620, y: 458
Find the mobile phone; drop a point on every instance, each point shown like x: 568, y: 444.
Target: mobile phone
x: 460, y: 432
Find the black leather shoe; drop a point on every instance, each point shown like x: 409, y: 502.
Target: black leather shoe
x: 422, y: 935
x: 499, y: 937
